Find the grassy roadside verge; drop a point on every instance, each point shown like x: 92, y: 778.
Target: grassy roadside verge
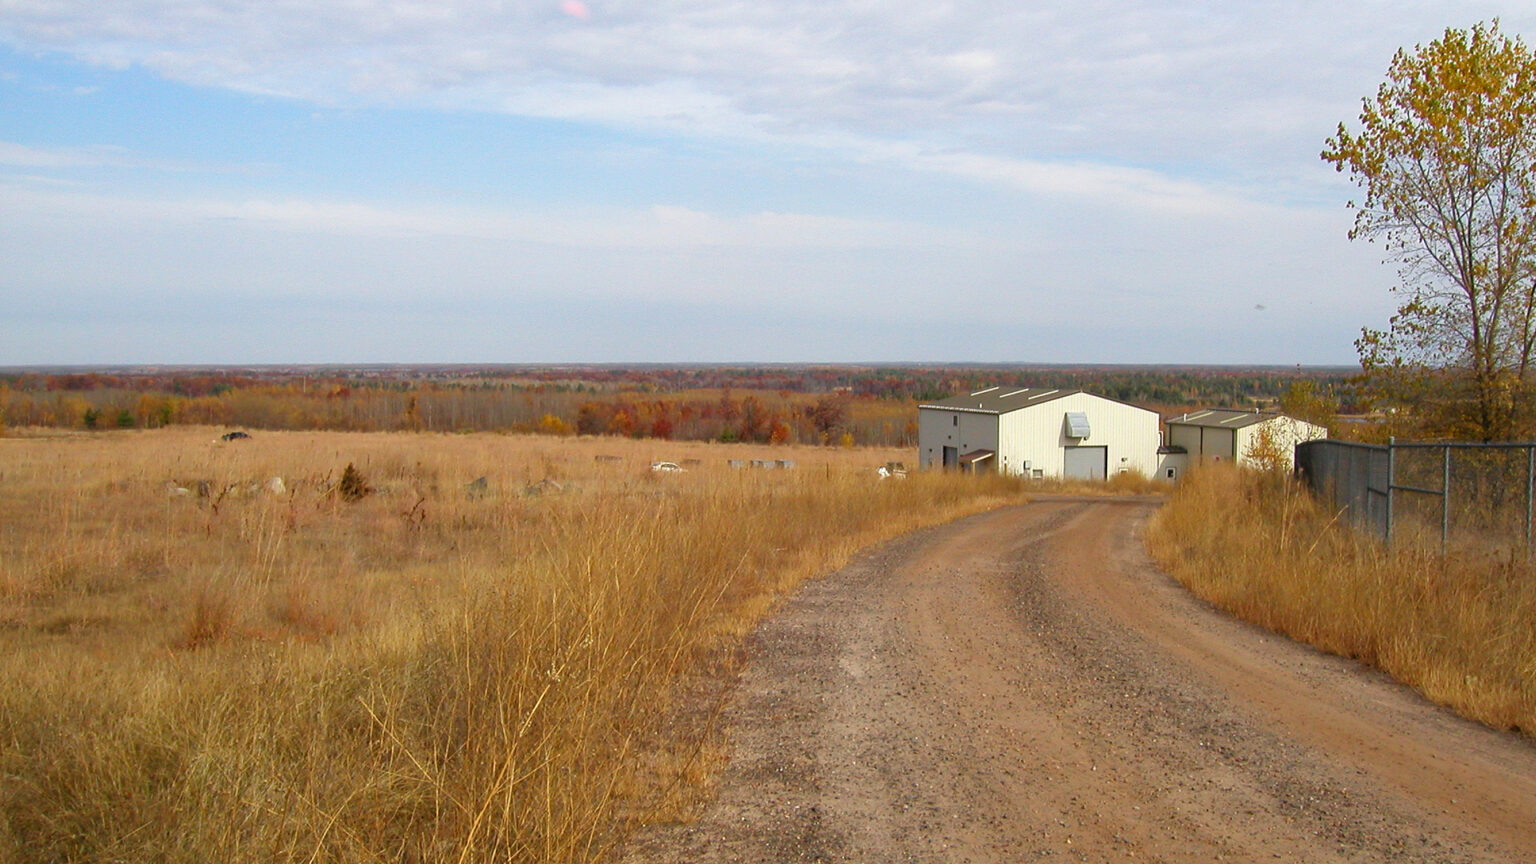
x: 1461, y: 630
x: 473, y: 662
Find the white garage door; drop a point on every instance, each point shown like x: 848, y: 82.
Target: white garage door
x: 1086, y: 463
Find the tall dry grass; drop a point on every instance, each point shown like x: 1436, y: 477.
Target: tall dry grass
x: 443, y: 670
x: 1119, y: 483
x: 1461, y: 629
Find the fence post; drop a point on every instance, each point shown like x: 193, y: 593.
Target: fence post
x: 1445, y: 499
x: 1530, y: 492
x: 1391, y: 481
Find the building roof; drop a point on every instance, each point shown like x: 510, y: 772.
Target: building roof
x: 1222, y: 418
x: 1001, y: 400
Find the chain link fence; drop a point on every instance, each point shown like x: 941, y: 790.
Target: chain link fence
x: 1474, y: 496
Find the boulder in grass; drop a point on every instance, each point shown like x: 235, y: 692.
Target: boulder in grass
x: 544, y: 487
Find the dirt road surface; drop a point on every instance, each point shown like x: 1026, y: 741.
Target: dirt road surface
x: 1024, y: 685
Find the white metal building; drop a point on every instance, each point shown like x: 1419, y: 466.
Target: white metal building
x: 1222, y: 435
x: 1038, y: 432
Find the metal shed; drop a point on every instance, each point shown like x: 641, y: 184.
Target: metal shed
x: 1220, y: 435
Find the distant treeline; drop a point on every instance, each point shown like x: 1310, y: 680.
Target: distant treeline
x: 776, y: 404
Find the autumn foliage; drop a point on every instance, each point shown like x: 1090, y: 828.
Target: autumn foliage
x: 767, y: 405
x: 1445, y: 153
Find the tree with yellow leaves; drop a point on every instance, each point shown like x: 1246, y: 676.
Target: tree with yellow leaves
x: 1446, y: 156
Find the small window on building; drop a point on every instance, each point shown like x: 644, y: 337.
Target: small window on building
x: 955, y: 418
x: 1170, y: 473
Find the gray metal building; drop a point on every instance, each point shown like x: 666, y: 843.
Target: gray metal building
x: 1038, y: 432
x: 1218, y: 435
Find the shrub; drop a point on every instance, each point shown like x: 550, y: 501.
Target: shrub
x: 353, y: 486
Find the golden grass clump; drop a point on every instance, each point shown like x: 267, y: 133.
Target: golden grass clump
x: 1461, y: 629
x: 479, y: 660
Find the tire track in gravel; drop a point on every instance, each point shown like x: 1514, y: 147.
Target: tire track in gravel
x: 1024, y: 685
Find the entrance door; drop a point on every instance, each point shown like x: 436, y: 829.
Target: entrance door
x: 1086, y: 463
x: 951, y: 457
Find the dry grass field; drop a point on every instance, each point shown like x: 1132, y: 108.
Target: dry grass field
x: 1461, y: 628
x: 197, y: 664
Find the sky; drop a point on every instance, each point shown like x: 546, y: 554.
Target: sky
x: 734, y: 181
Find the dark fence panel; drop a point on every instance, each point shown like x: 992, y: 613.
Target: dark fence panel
x: 1354, y: 478
x: 1479, y: 496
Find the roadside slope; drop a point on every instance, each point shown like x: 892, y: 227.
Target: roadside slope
x: 1024, y: 685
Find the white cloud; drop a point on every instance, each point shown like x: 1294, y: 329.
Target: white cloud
x: 1139, y: 160
x: 662, y: 227
x: 1128, y: 188
x: 21, y: 155
x: 1117, y: 80
x: 66, y: 159
x: 1052, y: 284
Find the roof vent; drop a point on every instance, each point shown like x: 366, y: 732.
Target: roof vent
x: 1077, y: 424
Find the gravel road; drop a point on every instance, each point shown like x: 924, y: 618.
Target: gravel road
x: 1025, y: 685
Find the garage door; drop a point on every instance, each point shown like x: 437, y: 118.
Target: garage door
x: 1086, y: 463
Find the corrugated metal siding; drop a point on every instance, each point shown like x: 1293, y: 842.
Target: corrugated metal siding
x: 1187, y: 437
x: 1245, y: 439
x: 1177, y: 462
x: 1288, y: 432
x: 1218, y: 443
x: 931, y: 429
x: 1038, y: 434
x: 937, y: 429
x: 978, y: 432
